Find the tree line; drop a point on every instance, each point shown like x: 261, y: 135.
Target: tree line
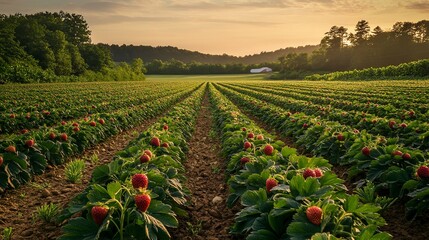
x: 341, y: 50
x: 49, y: 47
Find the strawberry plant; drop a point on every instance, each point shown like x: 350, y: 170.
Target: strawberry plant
x: 143, y: 198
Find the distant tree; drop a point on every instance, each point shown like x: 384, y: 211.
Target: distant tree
x: 137, y: 66
x: 96, y: 56
x: 335, y: 38
x: 77, y: 61
x: 32, y: 36
x: 362, y: 33
x: 422, y: 31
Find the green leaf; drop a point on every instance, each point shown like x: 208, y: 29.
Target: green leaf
x: 287, y: 151
x: 114, y: 190
x: 255, y: 197
x: 80, y: 229
x: 262, y: 234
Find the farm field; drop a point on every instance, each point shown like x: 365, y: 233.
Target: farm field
x: 215, y: 157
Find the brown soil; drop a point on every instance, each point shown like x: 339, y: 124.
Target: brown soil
x: 207, y: 182
x: 401, y: 228
x: 18, y: 207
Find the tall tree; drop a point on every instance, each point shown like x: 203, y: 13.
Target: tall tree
x: 362, y: 33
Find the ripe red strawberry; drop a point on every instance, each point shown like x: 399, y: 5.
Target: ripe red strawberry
x: 403, y: 125
x: 318, y: 172
x: 247, y: 145
x: 63, y: 123
x: 76, y: 129
x: 164, y: 145
x: 406, y: 156
x: 397, y: 153
x: 356, y: 131
x: 268, y: 150
x: 142, y: 201
x: 392, y: 124
x: 250, y: 135
x: 101, y: 121
x: 314, y: 215
x: 64, y: 137
x: 12, y: 115
x: 85, y: 119
x: 366, y: 151
x: 308, y: 173
x: 165, y: 127
x: 144, y: 158
x: 423, y: 172
x: 244, y: 160
x: 93, y: 124
x: 270, y: 184
x: 1, y: 160
x: 411, y: 113
x: 28, y: 116
x: 75, y: 124
x: 24, y: 131
x: 148, y: 152
x: 52, y: 136
x: 139, y: 180
x: 340, y: 137
x: 305, y: 125
x: 243, y: 129
x: 29, y: 143
x: 288, y: 114
x: 260, y: 137
x: 11, y: 149
x: 155, y: 142
x: 99, y: 213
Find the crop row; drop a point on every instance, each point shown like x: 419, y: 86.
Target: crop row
x: 29, y: 154
x: 402, y: 97
x: 140, y: 193
x: 381, y: 160
x: 409, y: 133
x: 48, y: 108
x: 369, y: 109
x: 284, y: 195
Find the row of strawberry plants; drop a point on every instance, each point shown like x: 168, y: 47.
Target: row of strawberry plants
x: 399, y: 96
x: 400, y: 171
x: 284, y: 195
x: 29, y: 154
x: 55, y: 108
x: 414, y: 133
x: 330, y: 103
x: 139, y: 194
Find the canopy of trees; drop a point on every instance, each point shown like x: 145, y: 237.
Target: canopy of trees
x: 45, y: 47
x: 126, y: 53
x: 342, y: 50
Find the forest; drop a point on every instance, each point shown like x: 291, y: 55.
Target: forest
x: 52, y: 47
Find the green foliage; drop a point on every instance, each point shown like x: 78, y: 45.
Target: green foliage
x: 7, y: 233
x: 55, y: 47
x: 48, y: 212
x: 74, y: 170
x: 412, y: 70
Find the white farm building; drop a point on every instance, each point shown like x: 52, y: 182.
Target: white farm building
x: 261, y: 70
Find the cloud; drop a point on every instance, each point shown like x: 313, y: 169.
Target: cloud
x: 422, y: 6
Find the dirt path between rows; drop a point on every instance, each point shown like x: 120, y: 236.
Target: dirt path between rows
x: 18, y: 207
x: 209, y: 217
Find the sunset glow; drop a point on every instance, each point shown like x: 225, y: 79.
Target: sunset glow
x: 220, y: 26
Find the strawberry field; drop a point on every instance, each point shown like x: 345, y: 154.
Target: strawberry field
x: 206, y: 157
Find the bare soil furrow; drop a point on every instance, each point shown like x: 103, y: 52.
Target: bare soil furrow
x: 209, y: 217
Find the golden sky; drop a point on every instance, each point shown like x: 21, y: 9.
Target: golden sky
x: 238, y: 27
